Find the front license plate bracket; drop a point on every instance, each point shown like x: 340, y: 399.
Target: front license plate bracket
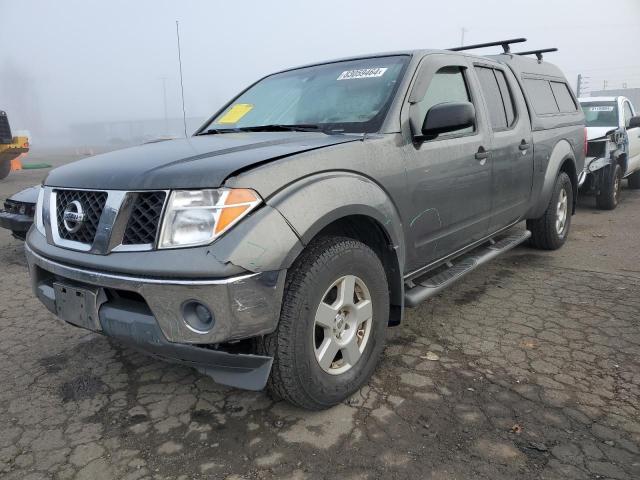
x: 79, y: 305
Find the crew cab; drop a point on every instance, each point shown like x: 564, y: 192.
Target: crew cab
x: 276, y: 245
x: 613, y: 153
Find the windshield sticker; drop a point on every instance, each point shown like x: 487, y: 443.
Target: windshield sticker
x: 362, y: 73
x: 235, y: 113
x: 601, y: 109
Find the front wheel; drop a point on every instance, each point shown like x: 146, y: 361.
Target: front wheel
x: 609, y: 194
x: 332, y: 324
x: 550, y: 231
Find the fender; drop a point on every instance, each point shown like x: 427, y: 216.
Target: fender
x: 561, y: 152
x: 316, y: 201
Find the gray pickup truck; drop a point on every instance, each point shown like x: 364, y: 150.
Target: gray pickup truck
x: 275, y: 246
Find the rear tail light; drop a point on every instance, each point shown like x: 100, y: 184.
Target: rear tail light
x: 586, y: 143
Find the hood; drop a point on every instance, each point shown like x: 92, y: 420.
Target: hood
x: 598, y: 132
x: 28, y: 195
x: 196, y: 162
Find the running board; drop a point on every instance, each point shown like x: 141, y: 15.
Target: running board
x: 431, y: 284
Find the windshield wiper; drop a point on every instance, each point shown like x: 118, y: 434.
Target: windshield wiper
x: 277, y: 127
x: 215, y: 131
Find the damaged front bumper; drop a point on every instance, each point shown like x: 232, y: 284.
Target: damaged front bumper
x: 149, y: 313
x: 591, y: 166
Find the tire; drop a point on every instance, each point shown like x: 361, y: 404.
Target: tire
x: 297, y: 375
x: 5, y: 168
x: 609, y: 194
x: 634, y: 180
x: 550, y: 231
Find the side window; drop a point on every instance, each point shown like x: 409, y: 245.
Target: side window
x: 492, y: 95
x: 447, y: 86
x: 499, y: 100
x: 507, y: 98
x: 563, y: 97
x: 541, y: 96
x: 627, y: 113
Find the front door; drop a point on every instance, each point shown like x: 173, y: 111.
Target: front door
x: 512, y: 146
x: 449, y: 177
x: 633, y: 164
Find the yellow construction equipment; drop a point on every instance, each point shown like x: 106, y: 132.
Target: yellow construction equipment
x: 11, y: 148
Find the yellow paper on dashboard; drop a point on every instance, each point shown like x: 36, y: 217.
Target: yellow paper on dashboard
x: 235, y: 113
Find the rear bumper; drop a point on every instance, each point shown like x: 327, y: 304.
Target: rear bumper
x: 147, y: 313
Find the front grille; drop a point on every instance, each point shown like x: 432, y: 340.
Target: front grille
x: 92, y: 206
x: 144, y: 221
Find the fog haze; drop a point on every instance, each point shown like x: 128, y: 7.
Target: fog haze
x: 68, y: 63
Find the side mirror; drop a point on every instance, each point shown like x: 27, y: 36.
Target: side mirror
x: 634, y: 122
x: 448, y: 117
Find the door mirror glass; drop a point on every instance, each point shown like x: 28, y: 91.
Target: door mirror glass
x: 634, y: 122
x: 448, y: 117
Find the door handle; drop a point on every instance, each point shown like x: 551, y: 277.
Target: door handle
x: 523, y: 145
x: 482, y: 154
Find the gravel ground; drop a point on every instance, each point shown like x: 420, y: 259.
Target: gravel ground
x: 529, y: 368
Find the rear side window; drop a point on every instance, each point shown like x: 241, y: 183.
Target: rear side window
x: 492, y: 94
x: 563, y: 97
x: 507, y: 98
x: 541, y: 95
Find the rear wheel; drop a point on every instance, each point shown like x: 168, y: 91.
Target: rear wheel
x: 5, y: 168
x: 550, y: 231
x: 609, y: 195
x: 634, y: 180
x: 332, y: 326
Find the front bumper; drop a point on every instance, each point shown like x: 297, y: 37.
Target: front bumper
x: 147, y: 313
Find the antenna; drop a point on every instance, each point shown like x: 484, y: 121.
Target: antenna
x: 504, y: 43
x: 184, y: 113
x: 537, y: 53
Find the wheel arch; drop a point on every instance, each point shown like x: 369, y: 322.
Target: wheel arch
x: 562, y: 159
x: 350, y: 205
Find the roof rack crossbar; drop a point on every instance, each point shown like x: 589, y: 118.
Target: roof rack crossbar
x: 537, y: 53
x: 504, y: 43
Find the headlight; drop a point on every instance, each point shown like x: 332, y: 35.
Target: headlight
x: 198, y: 217
x: 37, y: 216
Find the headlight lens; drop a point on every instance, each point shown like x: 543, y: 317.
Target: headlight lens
x: 37, y: 216
x: 198, y: 217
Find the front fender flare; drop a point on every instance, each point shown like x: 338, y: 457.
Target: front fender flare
x: 316, y: 201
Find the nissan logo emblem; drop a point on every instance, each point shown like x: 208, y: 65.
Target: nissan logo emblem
x: 73, y: 216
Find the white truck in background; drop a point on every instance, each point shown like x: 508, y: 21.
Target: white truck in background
x: 613, y: 153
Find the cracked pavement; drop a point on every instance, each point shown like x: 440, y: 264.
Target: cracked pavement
x: 528, y: 368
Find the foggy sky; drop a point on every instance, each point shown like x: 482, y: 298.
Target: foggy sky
x: 72, y: 61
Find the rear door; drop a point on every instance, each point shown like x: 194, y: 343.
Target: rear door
x: 511, y: 146
x: 633, y: 164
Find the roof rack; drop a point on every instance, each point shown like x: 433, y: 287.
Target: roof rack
x: 504, y: 43
x: 537, y: 53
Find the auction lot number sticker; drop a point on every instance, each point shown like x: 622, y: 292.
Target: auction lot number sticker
x: 362, y: 73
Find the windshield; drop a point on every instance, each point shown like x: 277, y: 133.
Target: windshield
x: 349, y: 96
x: 600, y: 114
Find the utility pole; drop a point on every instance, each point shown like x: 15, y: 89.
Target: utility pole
x: 462, y: 32
x: 579, y: 86
x: 164, y: 99
x: 184, y: 113
x: 604, y: 84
